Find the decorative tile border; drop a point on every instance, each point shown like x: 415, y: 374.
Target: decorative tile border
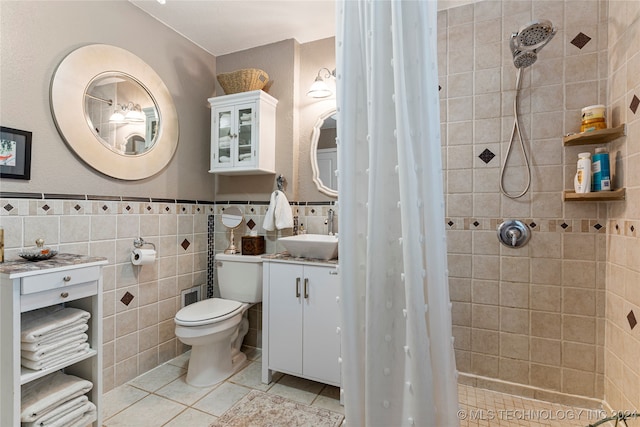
x: 543, y: 225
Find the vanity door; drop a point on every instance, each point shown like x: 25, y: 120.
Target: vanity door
x: 321, y: 340
x: 285, y: 318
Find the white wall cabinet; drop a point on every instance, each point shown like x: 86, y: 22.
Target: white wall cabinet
x: 243, y: 133
x: 72, y: 280
x: 301, y: 320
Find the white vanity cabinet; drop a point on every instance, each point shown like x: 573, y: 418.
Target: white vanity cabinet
x: 72, y: 280
x: 243, y: 133
x: 301, y: 321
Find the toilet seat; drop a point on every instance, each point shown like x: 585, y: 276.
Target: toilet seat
x: 208, y: 311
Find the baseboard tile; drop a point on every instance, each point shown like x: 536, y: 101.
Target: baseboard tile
x: 530, y: 392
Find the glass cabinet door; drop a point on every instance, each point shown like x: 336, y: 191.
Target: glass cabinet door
x: 246, y: 138
x: 225, y: 136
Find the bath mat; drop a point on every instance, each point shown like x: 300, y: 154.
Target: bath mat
x: 259, y: 409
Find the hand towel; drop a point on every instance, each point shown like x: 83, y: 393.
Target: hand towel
x: 59, y: 412
x: 52, y: 350
x: 70, y: 331
x: 283, y: 214
x: 49, y: 320
x: 55, y: 360
x: 278, y: 213
x: 269, y: 223
x: 44, y: 394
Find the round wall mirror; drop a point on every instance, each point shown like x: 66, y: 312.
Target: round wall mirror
x: 232, y: 218
x: 324, y: 154
x: 114, y: 111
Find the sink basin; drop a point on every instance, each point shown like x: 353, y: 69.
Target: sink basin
x: 318, y: 246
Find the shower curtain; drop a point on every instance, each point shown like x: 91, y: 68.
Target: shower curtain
x: 398, y: 363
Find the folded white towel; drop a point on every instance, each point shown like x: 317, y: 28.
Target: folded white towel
x: 86, y: 419
x: 70, y: 418
x: 283, y: 214
x: 37, y: 323
x: 55, y: 349
x: 44, y: 394
x: 72, y: 330
x: 59, y: 412
x: 57, y: 359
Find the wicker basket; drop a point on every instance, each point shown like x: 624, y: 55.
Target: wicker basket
x: 243, y: 80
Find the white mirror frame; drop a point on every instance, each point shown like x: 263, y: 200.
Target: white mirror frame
x: 313, y: 152
x: 67, y: 96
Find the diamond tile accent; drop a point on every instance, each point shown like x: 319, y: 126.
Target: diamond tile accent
x: 167, y: 208
x: 451, y: 223
x: 533, y: 224
x: 439, y: 88
x: 149, y: 208
x: 185, y: 244
x: 597, y: 226
x: 77, y: 207
x: 632, y: 319
x: 128, y: 208
x: 486, y: 156
x: 46, y: 208
x: 8, y: 207
x: 105, y: 207
x: 634, y: 104
x: 476, y: 223
x: 126, y: 298
x: 632, y: 228
x: 580, y: 40
x: 251, y: 224
x: 564, y: 225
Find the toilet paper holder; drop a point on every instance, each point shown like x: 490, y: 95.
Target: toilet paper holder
x: 140, y: 242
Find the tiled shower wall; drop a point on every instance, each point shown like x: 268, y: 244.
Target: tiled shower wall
x: 622, y: 333
x: 140, y: 302
x: 532, y: 316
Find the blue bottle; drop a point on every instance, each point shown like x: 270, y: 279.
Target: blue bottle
x: 600, y: 170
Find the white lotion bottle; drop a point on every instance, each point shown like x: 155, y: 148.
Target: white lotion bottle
x: 582, y: 180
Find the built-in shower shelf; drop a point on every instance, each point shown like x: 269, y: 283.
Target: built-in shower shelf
x: 596, y: 136
x: 598, y: 196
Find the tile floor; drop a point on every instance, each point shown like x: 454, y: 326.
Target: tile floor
x: 161, y: 397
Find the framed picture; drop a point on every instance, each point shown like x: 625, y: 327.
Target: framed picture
x: 15, y: 153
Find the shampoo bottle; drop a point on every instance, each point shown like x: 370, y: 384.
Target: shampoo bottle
x: 600, y: 170
x: 582, y: 181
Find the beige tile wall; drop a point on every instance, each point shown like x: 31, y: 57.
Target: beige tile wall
x: 622, y: 343
x: 535, y: 315
x: 138, y: 336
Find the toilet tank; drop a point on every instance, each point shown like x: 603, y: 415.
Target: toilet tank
x: 240, y: 277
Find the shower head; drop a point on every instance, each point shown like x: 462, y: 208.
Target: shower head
x: 526, y: 43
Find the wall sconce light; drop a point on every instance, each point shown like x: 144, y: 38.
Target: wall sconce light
x: 319, y: 88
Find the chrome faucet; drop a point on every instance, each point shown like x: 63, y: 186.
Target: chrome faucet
x: 329, y: 223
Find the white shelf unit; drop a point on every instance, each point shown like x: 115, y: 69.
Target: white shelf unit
x: 243, y: 133
x: 78, y: 285
x: 301, y: 321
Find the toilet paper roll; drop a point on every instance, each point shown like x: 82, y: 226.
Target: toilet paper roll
x: 143, y: 256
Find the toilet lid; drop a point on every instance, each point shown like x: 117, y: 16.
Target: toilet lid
x: 207, y: 309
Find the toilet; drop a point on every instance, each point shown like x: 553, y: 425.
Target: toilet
x: 215, y: 327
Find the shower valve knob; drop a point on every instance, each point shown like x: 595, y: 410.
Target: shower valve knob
x: 513, y: 233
